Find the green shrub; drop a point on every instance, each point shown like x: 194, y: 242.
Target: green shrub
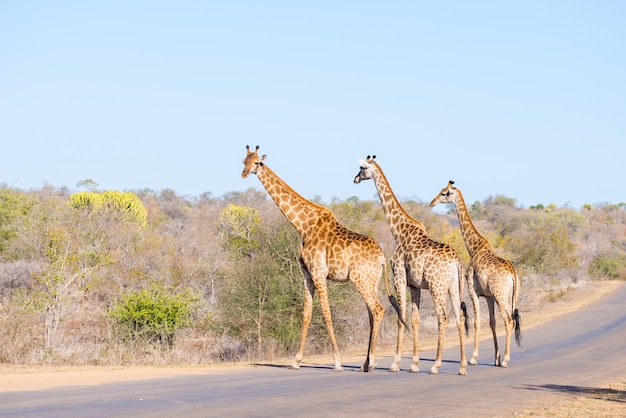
x: 262, y: 302
x: 609, y: 267
x: 154, y: 315
x: 543, y: 241
x: 238, y: 227
x: 13, y: 204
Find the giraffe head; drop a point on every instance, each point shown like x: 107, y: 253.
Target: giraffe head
x: 446, y: 195
x: 365, y: 172
x: 252, y: 162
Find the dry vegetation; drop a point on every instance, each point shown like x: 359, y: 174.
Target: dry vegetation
x: 170, y: 280
x: 609, y: 401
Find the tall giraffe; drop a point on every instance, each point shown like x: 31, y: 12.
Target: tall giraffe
x: 419, y: 263
x: 489, y: 276
x: 328, y: 251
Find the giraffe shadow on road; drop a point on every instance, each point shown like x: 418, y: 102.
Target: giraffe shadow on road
x: 605, y: 394
x: 356, y: 368
x: 310, y: 366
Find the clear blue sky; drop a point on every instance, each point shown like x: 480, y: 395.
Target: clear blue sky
x: 521, y: 98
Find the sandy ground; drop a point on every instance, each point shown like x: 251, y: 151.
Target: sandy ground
x: 31, y: 378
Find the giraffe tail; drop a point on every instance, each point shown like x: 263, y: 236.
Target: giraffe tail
x: 466, y: 321
x: 517, y: 319
x: 518, y: 331
x: 392, y: 298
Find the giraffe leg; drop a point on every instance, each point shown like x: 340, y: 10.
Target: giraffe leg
x: 309, y: 291
x: 376, y: 312
x: 442, y: 325
x: 322, y: 294
x: 476, y: 304
x: 459, y: 314
x: 415, y: 325
x: 400, y: 285
x: 395, y: 366
x: 492, y: 325
x: 367, y: 285
x: 508, y: 325
x: 369, y: 360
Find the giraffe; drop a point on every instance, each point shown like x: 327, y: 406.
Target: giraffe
x: 489, y: 276
x: 419, y: 263
x: 328, y: 251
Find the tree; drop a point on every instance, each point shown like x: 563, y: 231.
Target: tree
x: 69, y: 264
x: 13, y: 205
x: 357, y: 215
x: 88, y: 184
x: 261, y: 301
x: 543, y: 241
x: 125, y: 203
x: 238, y: 226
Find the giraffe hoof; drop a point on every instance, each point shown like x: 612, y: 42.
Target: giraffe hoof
x: 294, y: 367
x: 394, y: 369
x: 463, y: 372
x: 504, y: 364
x: 369, y: 368
x: 434, y: 370
x: 473, y: 362
x: 337, y: 369
x: 414, y: 369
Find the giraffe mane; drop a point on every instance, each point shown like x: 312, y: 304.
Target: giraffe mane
x: 298, y: 195
x: 393, y: 196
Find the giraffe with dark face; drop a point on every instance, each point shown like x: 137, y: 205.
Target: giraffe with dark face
x: 329, y: 251
x: 418, y: 263
x: 488, y: 275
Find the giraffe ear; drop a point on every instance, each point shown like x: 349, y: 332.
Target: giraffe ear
x: 363, y: 163
x: 263, y: 158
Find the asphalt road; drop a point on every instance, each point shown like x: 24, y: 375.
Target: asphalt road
x: 578, y: 352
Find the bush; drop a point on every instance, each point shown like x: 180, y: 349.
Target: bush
x: 238, y: 226
x: 542, y: 241
x: 126, y: 203
x: 13, y: 204
x: 154, y: 315
x: 609, y: 267
x: 261, y: 302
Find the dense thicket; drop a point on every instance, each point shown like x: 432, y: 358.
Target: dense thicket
x: 157, y: 278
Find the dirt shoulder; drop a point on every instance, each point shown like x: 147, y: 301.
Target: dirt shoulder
x: 31, y: 378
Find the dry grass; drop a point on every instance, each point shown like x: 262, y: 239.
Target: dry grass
x: 609, y: 401
x: 605, y: 401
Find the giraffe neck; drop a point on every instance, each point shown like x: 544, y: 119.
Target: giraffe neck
x: 397, y: 217
x: 473, y: 240
x: 298, y: 210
